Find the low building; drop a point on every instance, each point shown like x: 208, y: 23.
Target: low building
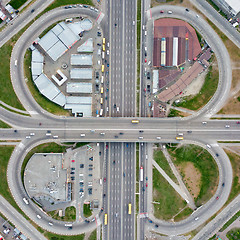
x: 81, y: 59
x: 81, y: 73
x: 230, y: 7
x: 79, y: 87
x: 87, y: 46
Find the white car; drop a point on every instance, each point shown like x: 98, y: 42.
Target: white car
x: 169, y: 12
x: 227, y: 126
x: 140, y: 137
x: 32, y: 134
x: 28, y: 137
x: 208, y: 146
x: 107, y: 109
x: 158, y: 138
x: 133, y: 23
x: 108, y: 44
x: 39, y: 217
x: 50, y: 223
x: 107, y: 52
x: 117, y: 109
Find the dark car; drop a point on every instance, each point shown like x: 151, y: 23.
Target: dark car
x: 156, y: 226
x: 81, y: 190
x: 148, y: 75
x: 99, y: 44
x: 100, y: 153
x: 32, y: 10
x: 85, y: 6
x: 72, y: 178
x: 223, y: 184
x: 114, y: 105
x: 90, y: 175
x: 72, y: 168
x: 91, y: 159
x: 217, y: 154
x: 90, y: 169
x: 69, y: 228
x: 81, y: 183
x: 121, y: 133
x: 141, y: 131
x: 116, y: 136
x: 81, y: 165
x: 187, y: 9
x: 90, y: 191
x: 72, y: 172
x: 90, y: 165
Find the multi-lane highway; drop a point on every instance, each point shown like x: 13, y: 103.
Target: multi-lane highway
x: 120, y: 175
x: 122, y: 103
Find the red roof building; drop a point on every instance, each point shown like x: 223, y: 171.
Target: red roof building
x: 175, y: 41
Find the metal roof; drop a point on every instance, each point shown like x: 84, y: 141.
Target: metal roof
x: 79, y: 100
x: 87, y: 46
x: 60, y: 99
x: 37, y: 56
x: 81, y: 73
x: 46, y: 87
x: 37, y: 68
x: 57, y: 50
x: 48, y: 40
x: 79, y: 87
x: 57, y: 29
x: 86, y: 110
x: 234, y: 4
x: 68, y: 38
x: 155, y: 81
x: 81, y: 59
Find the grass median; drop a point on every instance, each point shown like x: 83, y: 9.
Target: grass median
x: 93, y: 235
x: 166, y: 201
x: 4, y: 125
x: 87, y: 212
x: 70, y: 214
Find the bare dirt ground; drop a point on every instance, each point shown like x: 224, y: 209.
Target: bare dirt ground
x: 192, y: 178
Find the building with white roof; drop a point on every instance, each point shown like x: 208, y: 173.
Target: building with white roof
x: 79, y: 87
x: 81, y: 59
x: 81, y: 73
x: 87, y: 46
x: 230, y: 7
x: 62, y: 37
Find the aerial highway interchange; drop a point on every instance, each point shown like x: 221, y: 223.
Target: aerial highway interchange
x: 120, y: 27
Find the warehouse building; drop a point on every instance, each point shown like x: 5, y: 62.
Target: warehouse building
x: 80, y: 106
x: 36, y: 64
x: 81, y: 59
x: 86, y: 47
x: 62, y: 37
x: 79, y: 87
x: 175, y: 42
x: 230, y: 7
x: 81, y: 73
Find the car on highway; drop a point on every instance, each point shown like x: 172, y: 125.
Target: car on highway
x: 50, y: 223
x: 217, y: 197
x: 104, y: 179
x: 227, y: 126
x: 32, y: 10
x: 161, y: 11
x: 140, y: 137
x: 28, y: 137
x: 117, y: 109
x: 158, y: 138
x: 39, y: 217
x: 106, y: 146
x: 141, y: 131
x: 145, y: 60
x: 238, y: 122
x: 169, y: 12
x: 107, y: 52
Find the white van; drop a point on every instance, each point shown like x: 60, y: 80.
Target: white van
x: 102, y: 79
x: 103, y: 55
x: 39, y: 217
x: 55, y: 136
x: 83, y: 135
x: 26, y: 201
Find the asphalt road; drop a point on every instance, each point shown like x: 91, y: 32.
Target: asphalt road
x: 67, y: 128
x: 22, y: 20
x: 222, y: 23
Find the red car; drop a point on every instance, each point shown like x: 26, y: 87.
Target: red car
x: 104, y: 179
x: 145, y: 60
x: 238, y: 122
x: 217, y: 197
x: 73, y: 160
x: 146, y: 185
x: 106, y: 146
x: 145, y: 90
x: 161, y: 11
